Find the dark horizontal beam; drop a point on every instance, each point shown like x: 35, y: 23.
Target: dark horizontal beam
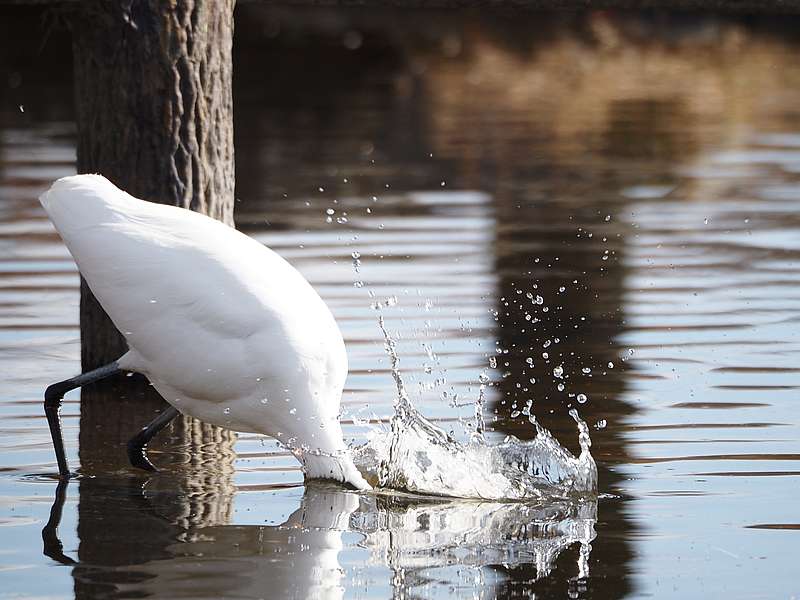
x: 723, y: 6
x: 738, y: 6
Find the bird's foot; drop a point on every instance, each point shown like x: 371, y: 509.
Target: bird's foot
x: 138, y: 457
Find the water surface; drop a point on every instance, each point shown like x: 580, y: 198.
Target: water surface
x: 601, y: 216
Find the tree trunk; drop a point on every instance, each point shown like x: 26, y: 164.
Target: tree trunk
x: 154, y: 107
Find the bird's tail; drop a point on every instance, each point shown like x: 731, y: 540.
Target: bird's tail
x: 81, y: 201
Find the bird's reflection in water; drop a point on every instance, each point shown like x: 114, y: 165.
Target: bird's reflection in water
x: 169, y: 555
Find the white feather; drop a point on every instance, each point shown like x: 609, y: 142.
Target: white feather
x: 225, y: 329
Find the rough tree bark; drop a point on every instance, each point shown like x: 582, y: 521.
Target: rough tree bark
x: 154, y: 108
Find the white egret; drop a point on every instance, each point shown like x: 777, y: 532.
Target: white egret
x: 225, y: 329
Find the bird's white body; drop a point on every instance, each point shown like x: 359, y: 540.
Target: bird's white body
x: 225, y: 329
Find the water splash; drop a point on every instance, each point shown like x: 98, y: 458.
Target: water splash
x: 419, y: 457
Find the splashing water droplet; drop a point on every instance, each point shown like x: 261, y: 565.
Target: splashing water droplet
x: 582, y: 398
x: 420, y: 457
x: 558, y: 371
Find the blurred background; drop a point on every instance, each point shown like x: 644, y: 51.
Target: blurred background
x: 595, y: 210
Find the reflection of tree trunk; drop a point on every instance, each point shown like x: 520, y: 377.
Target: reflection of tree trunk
x: 126, y: 520
x: 155, y: 115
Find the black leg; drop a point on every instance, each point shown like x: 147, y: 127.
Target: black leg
x: 52, y: 408
x: 138, y: 443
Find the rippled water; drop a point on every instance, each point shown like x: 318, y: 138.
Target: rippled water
x: 606, y: 219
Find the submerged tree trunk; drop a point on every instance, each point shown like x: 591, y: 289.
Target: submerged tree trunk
x: 154, y: 109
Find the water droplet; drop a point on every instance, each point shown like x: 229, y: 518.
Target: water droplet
x: 601, y: 424
x: 582, y: 398
x: 483, y: 378
x: 329, y: 211
x: 527, y: 410
x: 558, y: 371
x: 515, y: 414
x: 560, y: 387
x: 493, y: 362
x: 610, y: 365
x: 227, y: 410
x: 264, y: 400
x: 153, y: 301
x: 292, y: 411
x: 586, y: 370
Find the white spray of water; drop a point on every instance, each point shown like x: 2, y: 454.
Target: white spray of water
x: 420, y: 457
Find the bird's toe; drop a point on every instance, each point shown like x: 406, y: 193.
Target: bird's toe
x: 138, y: 458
